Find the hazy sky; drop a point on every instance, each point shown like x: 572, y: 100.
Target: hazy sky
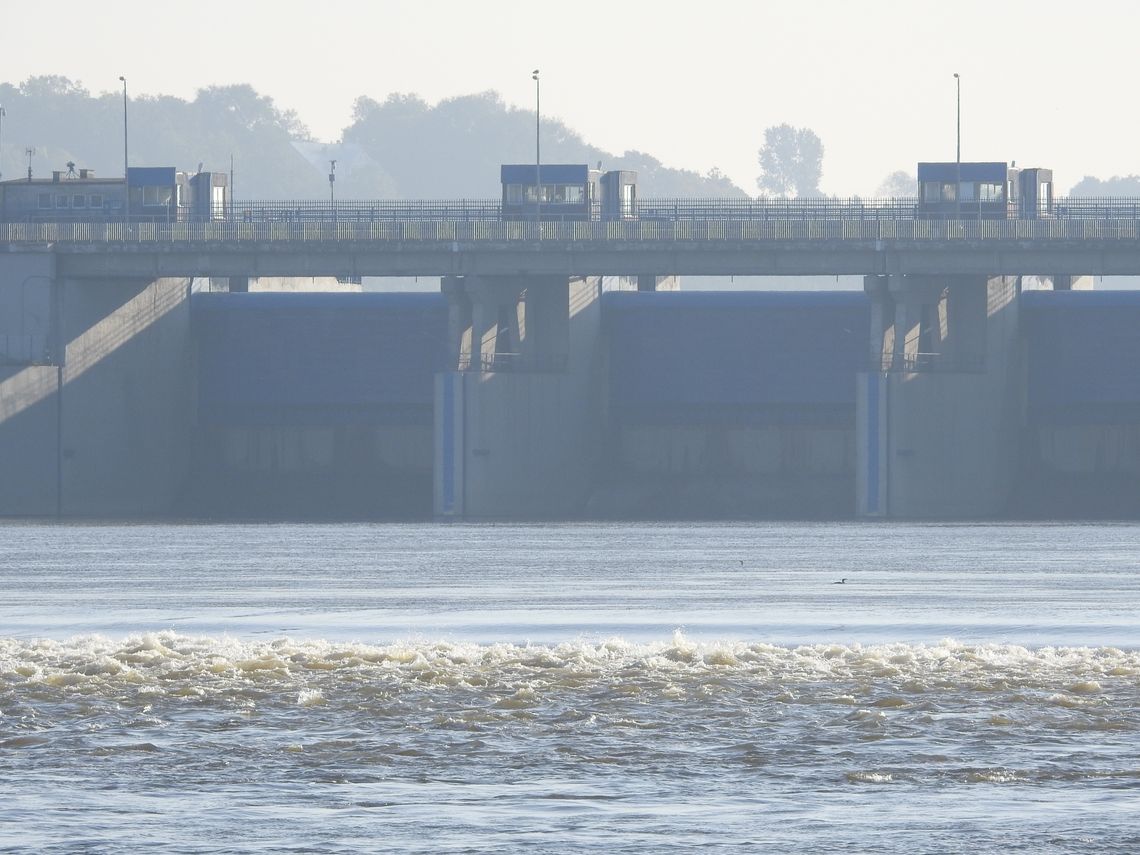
x: 694, y: 84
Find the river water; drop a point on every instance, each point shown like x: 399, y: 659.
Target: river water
x: 565, y: 688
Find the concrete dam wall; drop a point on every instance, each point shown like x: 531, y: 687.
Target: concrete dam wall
x: 315, y: 405
x: 731, y: 405
x: 557, y: 397
x: 96, y: 392
x: 1081, y: 447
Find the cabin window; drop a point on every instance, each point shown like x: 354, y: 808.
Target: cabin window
x: 966, y: 191
x: 45, y: 200
x: 61, y: 201
x: 158, y: 196
x: 79, y: 201
x: 96, y: 200
x: 931, y: 191
x: 552, y: 194
x: 563, y: 194
x: 521, y: 193
x: 989, y: 192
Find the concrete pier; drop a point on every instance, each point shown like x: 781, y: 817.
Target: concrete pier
x: 96, y: 399
x: 938, y: 412
x: 518, y: 417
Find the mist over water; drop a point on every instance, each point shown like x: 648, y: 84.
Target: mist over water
x: 428, y: 688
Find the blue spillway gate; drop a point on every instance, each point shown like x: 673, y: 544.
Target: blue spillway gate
x: 746, y: 358
x: 735, y: 358
x: 1083, y: 356
x: 318, y: 359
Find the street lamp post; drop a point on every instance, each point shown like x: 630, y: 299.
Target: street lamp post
x: 537, y: 148
x: 958, y: 151
x: 332, y: 181
x: 126, y: 183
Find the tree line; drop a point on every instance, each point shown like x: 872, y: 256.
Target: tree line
x: 399, y: 148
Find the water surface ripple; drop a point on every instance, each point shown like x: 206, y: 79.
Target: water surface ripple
x: 563, y: 688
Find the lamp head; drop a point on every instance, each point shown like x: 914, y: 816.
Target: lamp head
x: 534, y: 74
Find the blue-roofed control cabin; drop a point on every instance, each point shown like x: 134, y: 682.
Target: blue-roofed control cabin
x: 984, y: 190
x: 567, y: 191
x: 156, y: 193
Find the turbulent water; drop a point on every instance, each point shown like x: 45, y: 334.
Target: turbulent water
x: 613, y: 688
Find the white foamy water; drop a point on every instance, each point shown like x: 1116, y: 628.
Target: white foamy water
x: 562, y: 688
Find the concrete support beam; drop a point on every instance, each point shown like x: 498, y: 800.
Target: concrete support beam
x: 546, y: 333
x: 937, y: 426
x: 517, y: 437
x: 655, y: 282
x: 458, y: 319
x: 702, y: 257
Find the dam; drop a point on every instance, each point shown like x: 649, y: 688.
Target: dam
x: 677, y: 405
x: 560, y: 374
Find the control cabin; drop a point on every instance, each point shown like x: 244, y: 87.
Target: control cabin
x: 568, y: 191
x: 156, y: 194
x: 983, y: 190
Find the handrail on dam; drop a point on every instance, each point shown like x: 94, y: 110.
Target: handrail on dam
x: 928, y: 363
x: 606, y: 231
x: 519, y: 363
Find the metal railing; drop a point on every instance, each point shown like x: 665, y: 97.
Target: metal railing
x: 928, y: 363
x: 453, y: 233
x: 659, y: 220
x: 414, y: 210
x: 654, y: 210
x: 487, y: 363
x: 777, y: 209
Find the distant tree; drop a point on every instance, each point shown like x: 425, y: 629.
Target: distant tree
x: 399, y: 147
x: 52, y: 85
x: 243, y: 109
x: 899, y: 184
x: 1118, y: 185
x: 454, y: 148
x: 64, y: 122
x: 791, y: 160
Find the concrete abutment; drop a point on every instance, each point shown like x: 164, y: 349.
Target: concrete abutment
x: 96, y: 395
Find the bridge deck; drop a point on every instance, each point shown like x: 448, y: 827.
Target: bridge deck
x: 496, y: 231
x: 432, y: 247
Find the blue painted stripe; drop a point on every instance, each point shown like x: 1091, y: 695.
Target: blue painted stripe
x: 873, y: 381
x: 448, y: 439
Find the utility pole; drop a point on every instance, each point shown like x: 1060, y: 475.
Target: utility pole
x: 126, y: 161
x: 537, y: 148
x: 332, y: 180
x: 958, y: 153
x: 2, y: 115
